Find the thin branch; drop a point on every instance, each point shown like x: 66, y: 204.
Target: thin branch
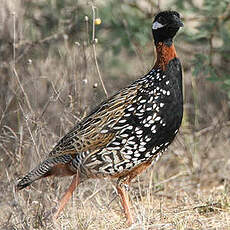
x: 22, y: 89
x: 14, y: 34
x: 93, y: 24
x: 98, y: 71
x: 7, y: 107
x: 30, y: 132
x: 95, y: 53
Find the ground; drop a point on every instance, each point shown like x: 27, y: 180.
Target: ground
x: 187, y: 189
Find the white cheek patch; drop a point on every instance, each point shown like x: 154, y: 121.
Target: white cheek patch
x: 157, y: 25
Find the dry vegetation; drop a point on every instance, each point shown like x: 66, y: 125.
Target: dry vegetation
x: 41, y: 99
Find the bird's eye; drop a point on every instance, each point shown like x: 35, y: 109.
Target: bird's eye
x: 177, y: 14
x: 160, y: 19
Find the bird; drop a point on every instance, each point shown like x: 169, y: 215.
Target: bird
x: 127, y: 132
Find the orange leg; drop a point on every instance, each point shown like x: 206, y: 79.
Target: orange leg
x: 123, y: 180
x: 68, y: 194
x: 125, y: 203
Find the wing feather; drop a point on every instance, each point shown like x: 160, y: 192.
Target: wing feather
x: 95, y: 131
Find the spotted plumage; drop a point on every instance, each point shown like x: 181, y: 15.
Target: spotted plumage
x: 131, y: 129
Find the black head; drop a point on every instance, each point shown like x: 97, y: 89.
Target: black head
x: 165, y: 26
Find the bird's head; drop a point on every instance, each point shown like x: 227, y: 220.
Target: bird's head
x: 165, y: 26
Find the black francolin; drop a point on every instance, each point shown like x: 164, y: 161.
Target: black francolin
x: 128, y: 131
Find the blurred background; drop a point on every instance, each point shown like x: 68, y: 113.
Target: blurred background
x: 52, y: 54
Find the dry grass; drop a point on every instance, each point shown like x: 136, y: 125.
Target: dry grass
x: 181, y: 191
x: 41, y: 99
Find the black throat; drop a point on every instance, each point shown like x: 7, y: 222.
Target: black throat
x: 164, y: 35
x: 168, y: 42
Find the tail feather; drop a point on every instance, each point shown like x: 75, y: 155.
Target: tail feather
x: 46, y: 168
